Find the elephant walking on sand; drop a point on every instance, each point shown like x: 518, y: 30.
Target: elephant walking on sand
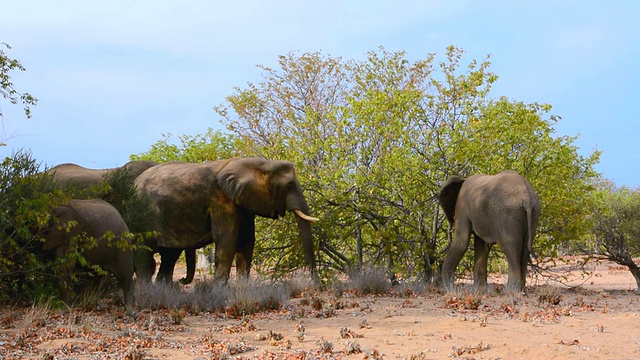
x: 217, y: 201
x: 502, y: 209
x: 97, y: 219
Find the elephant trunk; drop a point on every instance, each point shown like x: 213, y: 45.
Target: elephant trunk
x: 297, y: 203
x: 306, y: 238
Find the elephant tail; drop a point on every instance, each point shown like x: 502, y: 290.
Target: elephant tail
x: 532, y: 223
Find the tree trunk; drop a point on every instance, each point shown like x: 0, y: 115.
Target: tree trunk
x: 358, y: 231
x: 635, y: 271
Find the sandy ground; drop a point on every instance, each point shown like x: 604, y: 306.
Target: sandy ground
x: 598, y: 320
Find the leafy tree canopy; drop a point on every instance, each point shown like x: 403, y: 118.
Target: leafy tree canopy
x: 616, y: 227
x: 26, y: 197
x: 7, y: 89
x: 211, y: 145
x: 372, y: 141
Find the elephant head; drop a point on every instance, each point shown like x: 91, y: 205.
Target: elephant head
x: 448, y: 196
x: 217, y: 201
x: 267, y: 188
x: 502, y: 209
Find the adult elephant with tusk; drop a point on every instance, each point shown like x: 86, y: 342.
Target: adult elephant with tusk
x: 217, y: 201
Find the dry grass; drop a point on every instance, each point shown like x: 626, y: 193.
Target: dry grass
x: 237, y: 298
x: 369, y: 280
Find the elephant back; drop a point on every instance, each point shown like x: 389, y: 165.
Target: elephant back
x: 98, y: 216
x: 83, y: 178
x: 180, y: 195
x: 137, y: 167
x: 75, y: 175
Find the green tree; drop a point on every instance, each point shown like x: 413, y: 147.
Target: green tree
x: 616, y: 228
x: 26, y: 196
x: 7, y: 89
x: 295, y: 114
x: 372, y: 140
x: 513, y: 135
x: 211, y: 145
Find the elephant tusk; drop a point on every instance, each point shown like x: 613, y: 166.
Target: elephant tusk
x: 305, y: 216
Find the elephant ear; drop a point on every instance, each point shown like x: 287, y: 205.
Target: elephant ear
x: 246, y: 183
x: 448, y: 196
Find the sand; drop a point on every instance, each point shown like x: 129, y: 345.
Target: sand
x: 597, y: 320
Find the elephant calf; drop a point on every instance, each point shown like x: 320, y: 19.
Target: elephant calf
x: 93, y: 218
x: 502, y: 209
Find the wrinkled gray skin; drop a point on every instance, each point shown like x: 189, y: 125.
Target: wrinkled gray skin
x: 502, y: 209
x: 82, y: 178
x: 217, y: 202
x: 94, y: 218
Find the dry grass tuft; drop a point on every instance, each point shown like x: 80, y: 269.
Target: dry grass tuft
x: 369, y: 280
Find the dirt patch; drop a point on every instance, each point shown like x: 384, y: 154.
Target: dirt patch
x: 598, y: 320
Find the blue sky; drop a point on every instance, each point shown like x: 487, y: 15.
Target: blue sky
x: 112, y: 77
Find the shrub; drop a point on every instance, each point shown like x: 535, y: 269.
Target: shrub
x: 135, y: 208
x: 26, y: 195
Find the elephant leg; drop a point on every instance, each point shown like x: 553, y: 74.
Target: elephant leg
x: 246, y: 243
x: 226, y: 240
x: 168, y: 259
x: 458, y: 247
x: 125, y: 280
x: 190, y: 257
x: 524, y: 264
x: 514, y: 252
x: 144, y: 265
x: 481, y: 257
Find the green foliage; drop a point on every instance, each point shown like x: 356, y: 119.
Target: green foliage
x: 135, y: 208
x: 212, y: 145
x: 616, y: 227
x: 26, y: 196
x: 372, y: 141
x: 7, y: 89
x: 26, y: 199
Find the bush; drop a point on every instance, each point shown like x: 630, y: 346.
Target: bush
x: 134, y: 207
x: 26, y: 195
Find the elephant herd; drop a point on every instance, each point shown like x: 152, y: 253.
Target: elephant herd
x: 217, y: 201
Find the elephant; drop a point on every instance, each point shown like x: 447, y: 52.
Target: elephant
x: 217, y: 202
x: 502, y: 209
x: 94, y: 218
x: 83, y: 178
